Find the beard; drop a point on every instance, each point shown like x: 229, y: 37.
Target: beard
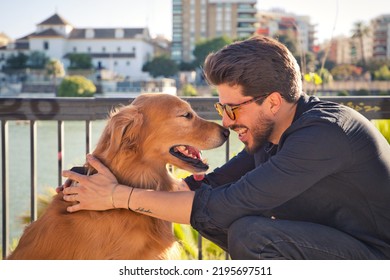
x: 261, y: 133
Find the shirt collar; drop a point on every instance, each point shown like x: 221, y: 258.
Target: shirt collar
x: 304, y: 102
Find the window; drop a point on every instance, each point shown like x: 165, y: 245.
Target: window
x: 45, y: 45
x: 89, y: 49
x: 103, y: 49
x: 74, y: 49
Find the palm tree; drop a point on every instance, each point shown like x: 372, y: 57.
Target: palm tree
x: 359, y: 31
x: 55, y: 69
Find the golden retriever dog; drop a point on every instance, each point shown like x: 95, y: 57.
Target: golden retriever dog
x: 137, y: 143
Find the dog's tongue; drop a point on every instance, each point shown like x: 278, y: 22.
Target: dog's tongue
x: 198, y: 177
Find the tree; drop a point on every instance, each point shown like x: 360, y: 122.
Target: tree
x: 16, y: 62
x: 80, y: 61
x: 202, y: 49
x: 37, y: 60
x: 54, y: 68
x: 187, y: 66
x: 76, y: 86
x: 345, y: 72
x: 359, y: 31
x: 290, y: 41
x: 161, y: 66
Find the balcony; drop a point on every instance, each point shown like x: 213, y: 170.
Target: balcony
x: 87, y: 112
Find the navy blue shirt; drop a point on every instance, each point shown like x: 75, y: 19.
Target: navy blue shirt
x: 331, y: 167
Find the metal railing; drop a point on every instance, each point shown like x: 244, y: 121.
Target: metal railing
x: 91, y: 109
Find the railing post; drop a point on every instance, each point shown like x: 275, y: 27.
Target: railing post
x: 88, y: 130
x: 4, y: 182
x: 227, y: 159
x: 60, y: 152
x: 33, y: 172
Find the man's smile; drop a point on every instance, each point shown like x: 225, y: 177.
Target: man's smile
x: 242, y: 132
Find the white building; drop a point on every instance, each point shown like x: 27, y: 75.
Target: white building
x: 123, y: 51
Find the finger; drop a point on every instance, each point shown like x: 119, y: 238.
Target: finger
x: 71, y: 191
x: 95, y: 163
x: 59, y: 189
x: 73, y: 176
x: 73, y: 208
x: 67, y: 183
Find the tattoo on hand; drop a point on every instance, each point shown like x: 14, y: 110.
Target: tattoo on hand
x: 143, y: 210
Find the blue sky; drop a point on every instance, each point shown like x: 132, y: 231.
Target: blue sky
x: 19, y: 17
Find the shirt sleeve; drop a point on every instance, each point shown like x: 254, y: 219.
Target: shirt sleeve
x: 307, y: 155
x: 228, y: 173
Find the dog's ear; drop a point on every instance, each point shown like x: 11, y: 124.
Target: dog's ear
x: 122, y: 131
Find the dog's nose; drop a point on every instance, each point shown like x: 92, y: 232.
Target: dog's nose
x: 226, y: 133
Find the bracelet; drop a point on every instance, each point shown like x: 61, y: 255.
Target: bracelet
x: 112, y: 195
x: 128, y: 200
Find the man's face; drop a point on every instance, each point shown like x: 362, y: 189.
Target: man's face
x: 252, y: 124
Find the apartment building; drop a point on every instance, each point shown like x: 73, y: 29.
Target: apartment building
x: 348, y: 50
x: 196, y: 20
x: 278, y: 22
x: 375, y: 44
x: 122, y: 51
x: 381, y: 36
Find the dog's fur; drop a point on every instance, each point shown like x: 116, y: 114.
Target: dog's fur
x: 135, y: 146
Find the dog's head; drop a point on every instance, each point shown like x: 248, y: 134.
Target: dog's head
x: 158, y: 129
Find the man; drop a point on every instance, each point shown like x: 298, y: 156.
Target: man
x: 312, y: 183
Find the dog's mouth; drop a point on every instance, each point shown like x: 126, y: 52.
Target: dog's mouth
x: 190, y: 155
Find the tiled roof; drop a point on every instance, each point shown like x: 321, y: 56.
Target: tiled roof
x: 55, y: 20
x: 46, y: 33
x: 105, y: 33
x: 25, y: 37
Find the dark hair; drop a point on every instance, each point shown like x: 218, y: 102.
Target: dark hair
x: 260, y: 65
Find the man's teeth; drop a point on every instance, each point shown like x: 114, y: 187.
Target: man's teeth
x: 241, y: 130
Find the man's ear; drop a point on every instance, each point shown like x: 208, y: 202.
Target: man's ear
x: 275, y: 101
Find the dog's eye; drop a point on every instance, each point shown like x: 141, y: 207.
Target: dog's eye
x: 187, y: 115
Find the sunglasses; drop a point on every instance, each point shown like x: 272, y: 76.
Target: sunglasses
x: 229, y: 109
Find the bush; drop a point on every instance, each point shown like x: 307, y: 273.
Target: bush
x: 383, y: 93
x: 189, y: 90
x: 76, y: 86
x: 343, y: 93
x: 362, y: 92
x: 214, y: 92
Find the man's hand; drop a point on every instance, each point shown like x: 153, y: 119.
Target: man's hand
x: 78, y: 169
x: 92, y: 192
